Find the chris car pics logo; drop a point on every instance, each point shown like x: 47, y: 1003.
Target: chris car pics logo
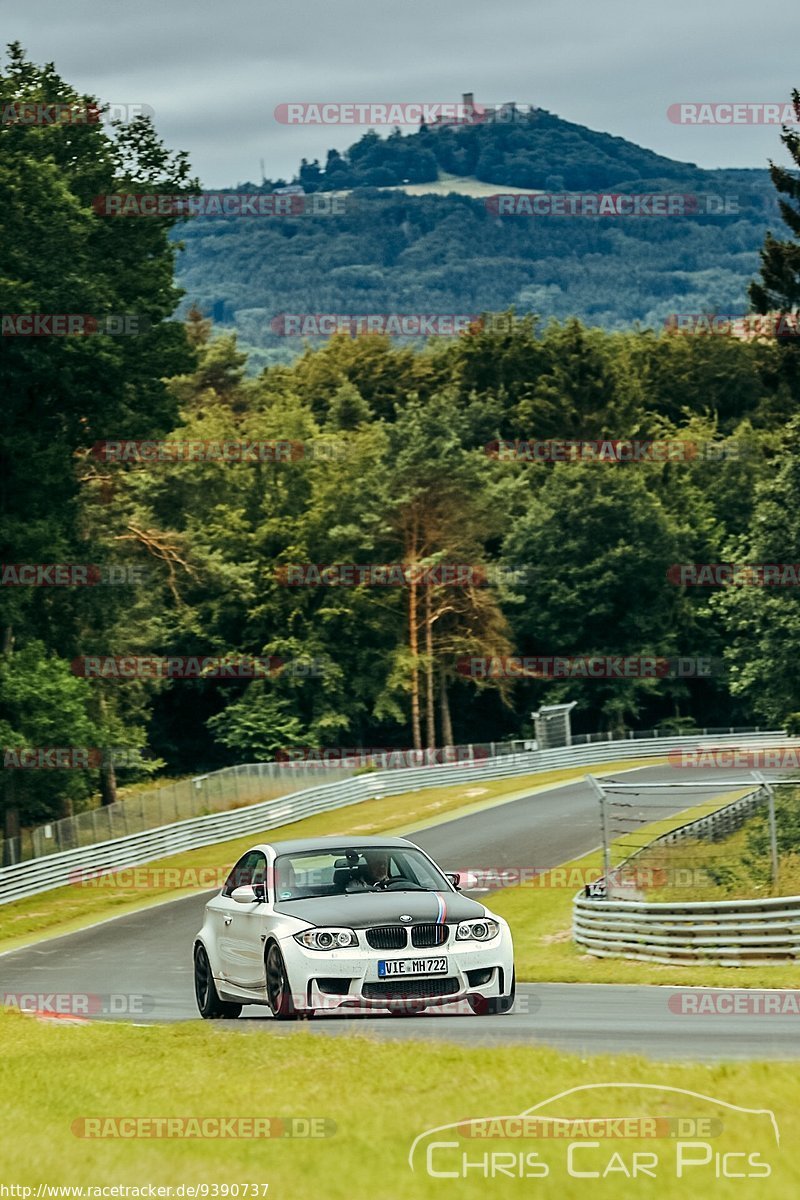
x: 622, y: 1132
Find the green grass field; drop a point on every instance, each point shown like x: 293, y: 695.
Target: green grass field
x: 381, y: 1095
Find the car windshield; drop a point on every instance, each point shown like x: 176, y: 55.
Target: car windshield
x: 357, y: 869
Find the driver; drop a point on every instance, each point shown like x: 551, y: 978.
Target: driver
x: 375, y: 870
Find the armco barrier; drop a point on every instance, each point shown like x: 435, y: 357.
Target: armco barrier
x: 56, y: 870
x: 730, y: 933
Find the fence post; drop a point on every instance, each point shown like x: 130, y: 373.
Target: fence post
x: 773, y: 833
x: 601, y: 796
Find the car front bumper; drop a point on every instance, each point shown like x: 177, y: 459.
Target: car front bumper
x: 349, y: 978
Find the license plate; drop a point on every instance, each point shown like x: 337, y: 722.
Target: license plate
x: 411, y: 966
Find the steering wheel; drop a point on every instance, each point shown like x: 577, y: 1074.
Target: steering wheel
x: 398, y: 883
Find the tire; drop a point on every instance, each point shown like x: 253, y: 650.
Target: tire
x: 494, y: 1006
x: 279, y: 995
x: 210, y: 1006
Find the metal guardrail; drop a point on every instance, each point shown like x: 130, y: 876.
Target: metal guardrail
x: 724, y: 932
x: 731, y: 933
x: 57, y: 870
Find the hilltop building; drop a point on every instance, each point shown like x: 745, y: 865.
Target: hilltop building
x: 475, y: 114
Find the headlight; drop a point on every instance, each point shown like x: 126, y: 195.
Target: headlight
x: 326, y: 939
x: 478, y: 931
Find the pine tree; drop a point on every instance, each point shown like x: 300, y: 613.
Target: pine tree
x: 779, y: 289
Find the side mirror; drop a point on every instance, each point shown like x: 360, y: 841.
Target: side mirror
x: 247, y: 894
x: 455, y: 879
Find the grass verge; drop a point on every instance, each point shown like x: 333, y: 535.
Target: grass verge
x: 381, y: 1096
x: 70, y: 908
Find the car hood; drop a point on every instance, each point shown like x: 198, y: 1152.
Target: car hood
x: 358, y: 910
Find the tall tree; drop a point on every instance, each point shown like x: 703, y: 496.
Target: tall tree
x: 594, y: 548
x: 61, y: 394
x: 444, y: 512
x: 779, y: 288
x: 762, y: 623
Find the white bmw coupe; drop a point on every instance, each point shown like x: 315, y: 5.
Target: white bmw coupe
x: 348, y: 923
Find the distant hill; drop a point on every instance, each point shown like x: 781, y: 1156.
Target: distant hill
x: 418, y: 236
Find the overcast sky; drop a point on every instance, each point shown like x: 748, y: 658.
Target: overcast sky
x: 214, y: 72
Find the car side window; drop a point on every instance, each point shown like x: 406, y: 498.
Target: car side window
x: 251, y: 868
x: 259, y: 869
